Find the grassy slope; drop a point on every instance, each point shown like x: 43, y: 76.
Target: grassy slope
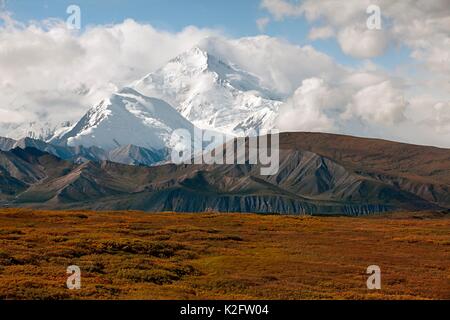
x: 129, y: 255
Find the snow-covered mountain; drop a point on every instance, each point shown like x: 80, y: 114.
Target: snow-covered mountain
x: 35, y: 130
x: 212, y: 94
x: 135, y: 125
x: 126, y: 118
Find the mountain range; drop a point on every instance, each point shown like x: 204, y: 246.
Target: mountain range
x: 193, y: 90
x: 134, y: 125
x: 125, y: 154
x: 319, y: 174
x: 117, y: 155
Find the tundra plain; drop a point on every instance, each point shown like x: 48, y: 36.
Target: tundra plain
x: 137, y: 255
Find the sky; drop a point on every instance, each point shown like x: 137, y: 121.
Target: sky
x: 235, y: 18
x: 316, y: 53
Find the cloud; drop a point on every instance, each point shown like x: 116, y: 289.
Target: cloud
x: 52, y: 74
x: 429, y: 39
x: 369, y: 104
x: 281, y: 65
x: 344, y: 19
x: 321, y: 33
x: 8, y: 116
x: 362, y: 43
x: 55, y: 73
x: 341, y: 107
x: 307, y: 109
x: 281, y: 8
x: 262, y: 23
x: 405, y: 98
x: 320, y: 94
x: 440, y: 117
x: 421, y: 25
x: 379, y: 104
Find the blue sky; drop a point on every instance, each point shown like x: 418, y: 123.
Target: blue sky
x: 236, y: 18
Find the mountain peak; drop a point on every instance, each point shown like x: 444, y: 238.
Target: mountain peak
x: 212, y: 93
x: 198, y: 60
x: 193, y: 60
x: 127, y: 117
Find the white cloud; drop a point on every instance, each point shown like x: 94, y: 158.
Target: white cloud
x: 321, y: 33
x: 344, y: 19
x: 54, y: 73
x: 307, y: 109
x: 429, y: 39
x: 262, y: 23
x: 366, y: 103
x: 50, y: 74
x: 8, y: 116
x: 379, y: 104
x: 318, y: 106
x: 421, y: 25
x: 281, y: 65
x: 281, y: 8
x: 440, y: 117
x: 362, y: 43
x: 407, y: 108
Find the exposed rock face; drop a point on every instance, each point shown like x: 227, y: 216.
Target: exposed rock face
x: 318, y: 174
x: 6, y: 143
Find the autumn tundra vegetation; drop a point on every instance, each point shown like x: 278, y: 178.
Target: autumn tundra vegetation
x: 137, y: 255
